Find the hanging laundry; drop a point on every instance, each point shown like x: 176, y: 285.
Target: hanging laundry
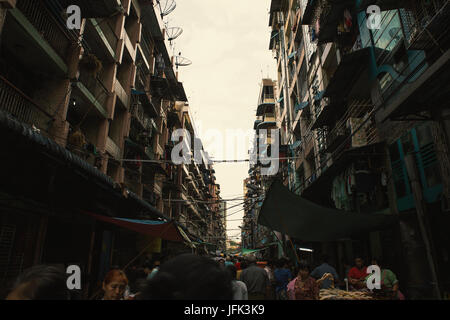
x: 347, y: 20
x: 138, y: 163
x: 313, y: 34
x: 339, y: 193
x: 341, y: 28
x: 359, y: 137
x: 384, y: 179
x: 350, y: 179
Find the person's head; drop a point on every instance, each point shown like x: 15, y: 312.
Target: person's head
x: 233, y: 271
x: 41, y: 282
x: 222, y: 262
x: 251, y: 259
x: 147, y: 267
x: 303, y: 270
x: 359, y: 262
x: 114, y: 285
x: 157, y: 263
x: 189, y: 277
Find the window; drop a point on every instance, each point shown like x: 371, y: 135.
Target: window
x: 390, y: 33
x: 420, y: 142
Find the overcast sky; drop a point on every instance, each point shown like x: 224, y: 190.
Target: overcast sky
x: 228, y: 43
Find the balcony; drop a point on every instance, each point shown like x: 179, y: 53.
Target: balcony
x: 100, y: 37
x: 327, y: 114
x: 47, y: 38
x: 138, y: 114
x: 350, y: 70
x: 98, y: 94
x: 330, y: 16
x: 129, y: 47
x: 95, y: 9
x: 429, y: 25
x: 121, y: 94
x: 113, y: 149
x: 354, y: 129
x: 265, y: 107
x: 23, y: 108
x: 268, y: 122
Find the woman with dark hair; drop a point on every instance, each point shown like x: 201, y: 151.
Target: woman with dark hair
x: 115, y: 285
x: 189, y: 277
x: 303, y: 287
x: 41, y: 282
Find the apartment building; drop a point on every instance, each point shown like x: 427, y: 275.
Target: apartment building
x: 268, y: 134
x: 87, y: 116
x: 359, y: 102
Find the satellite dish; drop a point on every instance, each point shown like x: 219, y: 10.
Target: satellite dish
x: 166, y: 7
x: 173, y: 33
x: 182, y: 61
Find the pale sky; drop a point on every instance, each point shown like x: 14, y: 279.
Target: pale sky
x: 228, y: 43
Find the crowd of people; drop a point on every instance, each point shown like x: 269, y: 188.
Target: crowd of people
x: 193, y: 277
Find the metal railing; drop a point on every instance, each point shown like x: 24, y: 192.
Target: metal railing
x: 23, y: 108
x: 137, y: 111
x: 423, y: 15
x: 95, y: 87
x: 53, y: 31
x: 112, y: 148
x: 146, y: 46
x: 108, y: 31
x: 356, y: 109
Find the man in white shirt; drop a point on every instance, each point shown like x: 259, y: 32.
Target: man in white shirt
x: 239, y: 287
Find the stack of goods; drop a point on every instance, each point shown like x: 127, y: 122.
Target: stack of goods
x: 336, y: 294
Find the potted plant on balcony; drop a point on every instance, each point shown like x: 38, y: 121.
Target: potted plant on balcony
x: 91, y: 64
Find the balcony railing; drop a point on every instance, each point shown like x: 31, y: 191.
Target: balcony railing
x: 145, y: 45
x: 47, y: 24
x: 137, y: 111
x: 427, y: 22
x: 129, y: 45
x: 95, y: 87
x: 112, y: 148
x: 121, y: 93
x: 345, y: 127
x: 108, y: 31
x: 23, y: 108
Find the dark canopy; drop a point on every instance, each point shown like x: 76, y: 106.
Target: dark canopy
x: 286, y: 212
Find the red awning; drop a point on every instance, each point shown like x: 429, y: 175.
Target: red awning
x: 158, y: 229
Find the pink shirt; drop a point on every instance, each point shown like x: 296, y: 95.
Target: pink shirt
x: 291, y: 289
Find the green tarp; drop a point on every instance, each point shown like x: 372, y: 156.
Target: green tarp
x: 288, y: 213
x: 250, y: 251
